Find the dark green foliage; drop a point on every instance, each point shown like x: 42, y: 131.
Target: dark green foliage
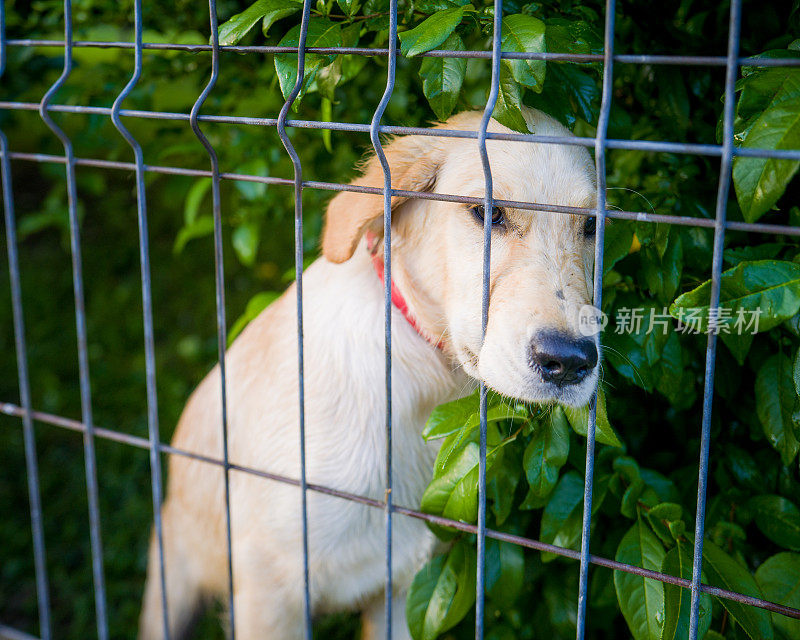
x: 646, y: 472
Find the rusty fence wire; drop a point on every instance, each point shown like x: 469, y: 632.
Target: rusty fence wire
x: 600, y: 143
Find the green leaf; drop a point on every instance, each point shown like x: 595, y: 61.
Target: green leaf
x: 439, y: 495
x: 348, y: 7
x: 662, y: 486
x: 629, y: 505
x: 661, y: 517
x: 723, y: 571
x: 738, y: 345
x: 524, y: 34
x: 194, y: 198
x: 252, y: 190
x: 202, y: 226
x: 254, y: 307
x: 329, y: 78
x: 759, y: 89
x: 452, y: 445
x: 775, y: 399
x: 321, y: 33
x: 546, y: 453
x: 766, y: 251
x: 562, y: 513
x: 670, y: 375
x: 448, y: 418
x: 797, y: 372
x: 432, y: 6
x: 673, y: 98
x: 744, y: 468
x: 432, y: 32
x: 778, y: 519
x: 507, y: 110
x: 271, y: 17
x: 351, y: 65
x: 618, y: 241
x: 453, y: 492
x: 568, y: 94
x: 663, y: 272
x: 604, y: 432
x: 770, y: 288
x: 245, y: 243
x: 653, y: 235
x: 677, y: 600
x: 666, y: 511
x: 505, y: 570
x: 779, y: 579
x: 442, y: 593
x: 580, y: 88
x: 628, y: 354
x: 572, y: 36
x: 326, y: 114
x: 641, y: 600
x: 760, y: 182
x: 502, y: 485
x: 442, y: 78
x: 627, y: 468
x: 233, y: 30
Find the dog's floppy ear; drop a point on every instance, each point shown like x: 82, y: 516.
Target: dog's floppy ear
x: 413, y: 161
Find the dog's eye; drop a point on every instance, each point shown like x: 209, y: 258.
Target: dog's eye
x: 589, y: 226
x: 498, y: 215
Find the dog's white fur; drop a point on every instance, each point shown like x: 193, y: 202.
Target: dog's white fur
x: 541, y: 273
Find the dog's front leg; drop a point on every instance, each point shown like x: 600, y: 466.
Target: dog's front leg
x: 266, y: 608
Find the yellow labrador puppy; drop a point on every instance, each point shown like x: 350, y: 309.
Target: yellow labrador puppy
x: 533, y: 350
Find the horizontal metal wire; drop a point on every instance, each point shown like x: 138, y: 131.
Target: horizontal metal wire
x: 701, y: 61
x: 11, y: 409
x: 638, y: 216
x: 657, y: 146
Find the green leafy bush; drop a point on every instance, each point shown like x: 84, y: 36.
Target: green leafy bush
x: 649, y: 410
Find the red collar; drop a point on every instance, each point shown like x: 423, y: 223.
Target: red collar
x: 397, y: 298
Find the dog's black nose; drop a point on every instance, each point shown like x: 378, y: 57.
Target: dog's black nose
x: 560, y: 359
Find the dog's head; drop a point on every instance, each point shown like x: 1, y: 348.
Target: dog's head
x: 541, y: 262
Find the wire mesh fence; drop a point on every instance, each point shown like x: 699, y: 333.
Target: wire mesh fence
x: 601, y: 143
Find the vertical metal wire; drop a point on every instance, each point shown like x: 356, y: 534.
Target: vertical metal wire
x: 731, y: 72
x: 147, y: 307
x: 219, y: 277
x: 387, y: 292
x: 600, y: 232
x: 488, y: 205
x: 28, y: 435
x: 298, y: 265
x: 80, y: 322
